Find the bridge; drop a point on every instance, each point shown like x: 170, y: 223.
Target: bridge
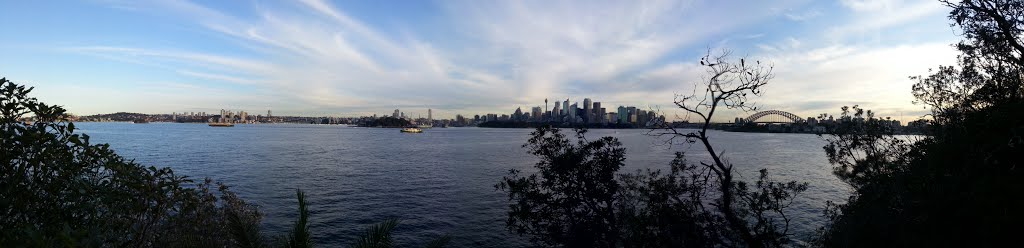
x: 773, y: 116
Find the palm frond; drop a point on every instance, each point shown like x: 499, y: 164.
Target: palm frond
x: 440, y: 242
x: 245, y: 233
x: 299, y: 237
x: 377, y: 236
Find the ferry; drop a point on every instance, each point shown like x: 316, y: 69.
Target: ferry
x: 140, y: 121
x: 412, y: 130
x: 221, y: 124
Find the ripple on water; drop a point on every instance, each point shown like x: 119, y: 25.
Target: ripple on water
x: 438, y: 182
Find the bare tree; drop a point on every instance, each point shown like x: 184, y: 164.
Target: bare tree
x: 728, y: 84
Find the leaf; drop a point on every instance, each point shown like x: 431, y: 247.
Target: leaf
x: 439, y: 242
x: 377, y: 236
x: 299, y: 237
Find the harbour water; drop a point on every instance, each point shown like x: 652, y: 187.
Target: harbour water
x: 437, y: 182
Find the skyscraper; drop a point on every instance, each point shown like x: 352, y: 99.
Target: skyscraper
x: 565, y: 105
x: 572, y: 110
x: 623, y: 114
x: 588, y: 109
x: 430, y: 116
x: 556, y: 113
x: 535, y: 113
x: 598, y: 114
x: 397, y: 114
x: 632, y: 114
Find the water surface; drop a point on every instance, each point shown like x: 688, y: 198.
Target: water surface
x: 438, y: 182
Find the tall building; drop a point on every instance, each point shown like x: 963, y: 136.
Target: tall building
x: 623, y: 115
x: 573, y: 112
x: 397, y: 114
x: 536, y: 113
x: 268, y: 113
x: 430, y: 116
x: 632, y: 114
x: 598, y: 114
x: 588, y: 109
x: 565, y: 106
x: 556, y: 113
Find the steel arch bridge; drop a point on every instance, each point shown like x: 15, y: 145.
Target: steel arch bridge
x: 754, y: 117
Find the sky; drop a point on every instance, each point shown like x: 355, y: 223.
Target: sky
x: 353, y: 58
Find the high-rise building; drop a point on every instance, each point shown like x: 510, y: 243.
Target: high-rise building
x: 597, y: 114
x: 632, y: 114
x: 556, y: 113
x: 268, y: 113
x: 623, y: 115
x: 565, y: 106
x: 573, y: 112
x: 397, y: 114
x: 430, y: 116
x: 588, y: 110
x: 536, y: 113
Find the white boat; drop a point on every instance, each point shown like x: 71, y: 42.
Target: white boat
x: 412, y: 130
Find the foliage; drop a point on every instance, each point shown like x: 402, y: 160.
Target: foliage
x: 377, y: 236
x: 387, y: 122
x: 59, y: 190
x: 571, y: 202
x: 958, y: 185
x: 751, y: 218
x: 299, y: 237
x: 576, y: 200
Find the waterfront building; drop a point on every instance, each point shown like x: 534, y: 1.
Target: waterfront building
x: 565, y: 106
x: 631, y: 114
x: 557, y: 111
x: 588, y: 109
x: 536, y: 113
x: 396, y: 114
x: 622, y: 118
x: 573, y: 112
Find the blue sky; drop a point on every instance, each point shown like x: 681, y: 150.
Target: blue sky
x: 350, y: 58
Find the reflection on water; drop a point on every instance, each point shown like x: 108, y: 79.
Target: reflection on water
x: 438, y: 182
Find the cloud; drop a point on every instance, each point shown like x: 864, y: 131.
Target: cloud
x: 804, y: 15
x: 872, y: 16
x: 493, y: 56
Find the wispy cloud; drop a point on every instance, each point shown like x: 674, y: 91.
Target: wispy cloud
x: 488, y: 56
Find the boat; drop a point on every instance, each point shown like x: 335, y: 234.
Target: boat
x: 412, y: 130
x: 221, y: 124
x: 140, y: 121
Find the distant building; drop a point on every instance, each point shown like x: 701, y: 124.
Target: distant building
x: 573, y: 112
x: 397, y: 114
x: 623, y: 115
x: 588, y: 110
x: 565, y: 107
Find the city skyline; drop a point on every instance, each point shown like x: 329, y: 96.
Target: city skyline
x: 322, y: 58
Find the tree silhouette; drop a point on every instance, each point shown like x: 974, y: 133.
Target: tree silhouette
x: 957, y: 184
